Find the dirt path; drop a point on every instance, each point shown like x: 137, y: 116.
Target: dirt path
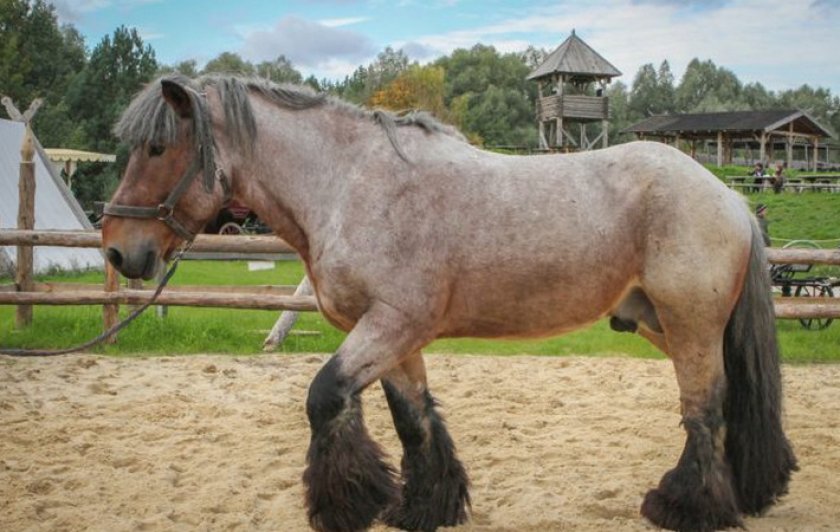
x: 218, y: 443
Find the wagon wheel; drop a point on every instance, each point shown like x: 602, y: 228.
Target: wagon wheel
x: 815, y: 290
x: 230, y: 228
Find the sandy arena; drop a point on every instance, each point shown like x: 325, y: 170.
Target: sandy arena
x: 218, y: 443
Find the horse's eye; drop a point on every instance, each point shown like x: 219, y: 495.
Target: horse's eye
x: 156, y: 150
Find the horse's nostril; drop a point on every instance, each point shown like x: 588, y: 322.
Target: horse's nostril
x: 114, y: 256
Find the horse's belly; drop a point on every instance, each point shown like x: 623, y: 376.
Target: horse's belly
x: 523, y: 316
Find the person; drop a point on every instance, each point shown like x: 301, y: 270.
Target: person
x: 763, y: 224
x: 758, y: 175
x: 779, y: 178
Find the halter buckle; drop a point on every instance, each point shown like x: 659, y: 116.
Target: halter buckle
x: 164, y: 212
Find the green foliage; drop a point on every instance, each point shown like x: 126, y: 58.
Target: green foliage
x: 360, y: 86
x: 37, y: 60
x: 653, y: 92
x: 229, y: 63
x: 280, y: 70
x: 118, y: 68
x: 489, y: 97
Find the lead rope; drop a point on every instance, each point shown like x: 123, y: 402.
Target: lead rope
x: 113, y: 330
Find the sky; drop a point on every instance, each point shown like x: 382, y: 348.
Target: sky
x: 782, y: 44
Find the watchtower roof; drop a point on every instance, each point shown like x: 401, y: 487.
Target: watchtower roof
x: 577, y: 58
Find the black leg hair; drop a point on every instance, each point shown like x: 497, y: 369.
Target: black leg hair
x: 348, y: 483
x: 698, y: 494
x: 435, y: 491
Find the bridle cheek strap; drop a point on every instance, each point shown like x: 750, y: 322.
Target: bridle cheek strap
x: 165, y: 212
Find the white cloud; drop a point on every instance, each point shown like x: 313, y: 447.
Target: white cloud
x: 306, y: 43
x: 780, y: 44
x: 339, y: 22
x: 73, y: 10
x: 148, y: 34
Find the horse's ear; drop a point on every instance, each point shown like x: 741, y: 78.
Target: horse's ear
x: 177, y: 97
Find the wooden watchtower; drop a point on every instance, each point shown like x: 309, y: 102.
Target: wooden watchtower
x: 568, y: 94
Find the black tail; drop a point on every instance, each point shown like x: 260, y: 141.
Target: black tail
x: 756, y: 447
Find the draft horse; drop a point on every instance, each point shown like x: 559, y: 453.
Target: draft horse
x: 410, y: 234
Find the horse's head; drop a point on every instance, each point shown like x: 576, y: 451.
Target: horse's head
x: 167, y: 192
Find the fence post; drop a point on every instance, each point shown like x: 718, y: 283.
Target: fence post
x: 111, y: 312
x: 24, y: 274
x: 24, y: 281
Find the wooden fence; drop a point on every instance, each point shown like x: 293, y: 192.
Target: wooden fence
x: 111, y: 295
x: 275, y: 297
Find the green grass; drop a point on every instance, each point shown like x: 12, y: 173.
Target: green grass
x: 810, y: 216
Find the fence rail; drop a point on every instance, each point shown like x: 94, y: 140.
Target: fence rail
x: 281, y: 297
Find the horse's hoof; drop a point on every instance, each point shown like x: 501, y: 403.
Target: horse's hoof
x: 423, y: 517
x: 444, y: 502
x: 691, y: 516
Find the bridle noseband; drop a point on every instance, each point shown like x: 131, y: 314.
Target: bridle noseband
x: 165, y: 212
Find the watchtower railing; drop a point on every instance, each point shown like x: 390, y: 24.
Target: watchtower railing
x: 575, y: 106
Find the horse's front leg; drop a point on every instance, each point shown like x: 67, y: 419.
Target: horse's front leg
x: 348, y: 482
x: 435, y: 485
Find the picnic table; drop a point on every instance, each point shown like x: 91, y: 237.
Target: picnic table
x: 798, y: 184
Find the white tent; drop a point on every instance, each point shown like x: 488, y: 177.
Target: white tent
x: 55, y: 207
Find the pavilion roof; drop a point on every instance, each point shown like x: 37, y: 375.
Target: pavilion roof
x: 577, y: 58
x: 731, y: 122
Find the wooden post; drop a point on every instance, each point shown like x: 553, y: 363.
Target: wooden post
x: 287, y: 319
x: 789, y: 146
x: 816, y: 152
x: 720, y: 148
x: 24, y: 272
x: 605, y: 127
x: 135, y: 284
x: 762, y: 154
x: 111, y: 312
x: 24, y: 280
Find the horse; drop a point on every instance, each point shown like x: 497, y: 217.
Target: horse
x: 408, y: 233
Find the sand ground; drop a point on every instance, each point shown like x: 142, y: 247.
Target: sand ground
x: 218, y: 443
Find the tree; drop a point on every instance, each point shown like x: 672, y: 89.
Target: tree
x: 755, y: 96
x: 653, y: 91
x: 118, y: 68
x: 705, y: 87
x: 280, y: 70
x: 416, y: 88
x: 365, y: 81
x: 489, y: 97
x: 38, y: 59
x: 229, y: 63
x: 188, y: 68
x: 502, y: 117
x: 620, y: 113
x: 665, y: 88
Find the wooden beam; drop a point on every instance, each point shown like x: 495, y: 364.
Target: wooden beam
x: 93, y: 239
x: 807, y: 307
x: 720, y: 148
x: 255, y: 290
x: 137, y: 297
x: 789, y: 308
x: 803, y: 256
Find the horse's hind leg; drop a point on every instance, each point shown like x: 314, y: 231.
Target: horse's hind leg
x: 435, y: 490
x: 698, y: 494
x: 348, y: 482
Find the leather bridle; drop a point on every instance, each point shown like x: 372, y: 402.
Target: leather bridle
x: 165, y: 212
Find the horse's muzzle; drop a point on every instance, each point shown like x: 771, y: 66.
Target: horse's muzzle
x: 140, y: 263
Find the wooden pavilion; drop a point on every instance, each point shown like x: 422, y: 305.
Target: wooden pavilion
x: 566, y: 79
x: 757, y: 132
x: 66, y: 160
